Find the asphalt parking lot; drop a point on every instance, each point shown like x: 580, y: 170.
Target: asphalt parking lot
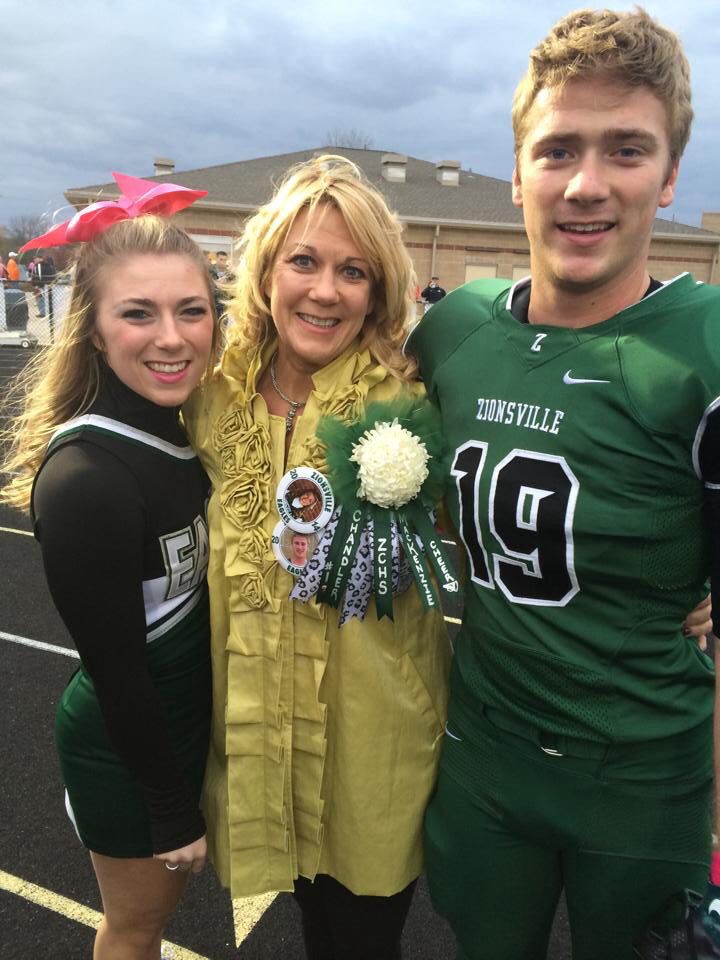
x: 48, y: 899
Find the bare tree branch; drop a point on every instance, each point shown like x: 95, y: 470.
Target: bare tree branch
x: 349, y: 137
x: 22, y: 228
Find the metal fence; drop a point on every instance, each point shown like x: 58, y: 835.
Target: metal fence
x: 36, y: 312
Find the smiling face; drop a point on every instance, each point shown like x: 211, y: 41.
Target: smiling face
x: 299, y: 550
x: 593, y: 169
x: 320, y: 290
x: 154, y: 324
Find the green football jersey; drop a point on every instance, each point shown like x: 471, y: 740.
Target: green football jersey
x: 579, y: 468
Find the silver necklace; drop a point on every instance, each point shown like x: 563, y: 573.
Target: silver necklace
x: 294, y: 404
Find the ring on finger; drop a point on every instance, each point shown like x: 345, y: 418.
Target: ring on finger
x: 172, y: 866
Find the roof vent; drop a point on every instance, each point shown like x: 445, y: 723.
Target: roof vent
x: 447, y: 172
x: 394, y: 166
x: 163, y: 165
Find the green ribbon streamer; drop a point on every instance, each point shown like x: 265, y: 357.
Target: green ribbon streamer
x: 417, y: 564
x: 432, y: 541
x: 341, y: 555
x: 382, y: 561
x: 341, y: 529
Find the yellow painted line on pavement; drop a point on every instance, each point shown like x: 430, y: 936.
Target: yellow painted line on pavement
x: 22, y: 533
x: 51, y: 901
x: 246, y: 913
x: 74, y: 911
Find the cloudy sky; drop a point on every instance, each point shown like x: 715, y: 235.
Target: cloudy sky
x: 98, y: 85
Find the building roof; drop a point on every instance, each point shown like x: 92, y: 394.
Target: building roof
x: 246, y: 184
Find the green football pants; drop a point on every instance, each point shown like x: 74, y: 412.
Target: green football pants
x: 511, y: 826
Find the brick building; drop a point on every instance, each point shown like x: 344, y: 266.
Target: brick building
x: 459, y: 225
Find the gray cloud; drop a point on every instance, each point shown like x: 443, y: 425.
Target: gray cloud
x: 114, y: 84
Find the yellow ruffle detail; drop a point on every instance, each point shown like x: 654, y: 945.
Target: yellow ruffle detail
x: 308, y: 718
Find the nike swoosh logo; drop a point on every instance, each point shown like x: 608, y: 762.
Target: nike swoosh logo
x: 568, y: 379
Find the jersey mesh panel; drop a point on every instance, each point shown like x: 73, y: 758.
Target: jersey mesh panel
x: 671, y: 829
x: 481, y: 777
x: 581, y: 696
x: 670, y: 561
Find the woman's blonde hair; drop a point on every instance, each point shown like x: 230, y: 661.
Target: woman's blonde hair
x: 62, y: 381
x: 374, y: 228
x: 628, y: 47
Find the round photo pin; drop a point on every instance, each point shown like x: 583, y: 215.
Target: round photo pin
x: 304, y: 500
x: 292, y: 548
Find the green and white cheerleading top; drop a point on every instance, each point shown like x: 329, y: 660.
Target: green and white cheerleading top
x: 120, y: 512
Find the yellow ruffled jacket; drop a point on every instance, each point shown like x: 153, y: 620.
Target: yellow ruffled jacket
x: 325, y: 740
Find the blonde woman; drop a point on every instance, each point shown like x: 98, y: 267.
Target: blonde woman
x: 325, y: 739
x: 118, y: 499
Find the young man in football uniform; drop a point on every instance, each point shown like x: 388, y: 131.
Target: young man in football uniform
x: 582, y: 408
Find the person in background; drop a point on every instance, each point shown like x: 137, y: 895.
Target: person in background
x: 44, y: 272
x: 223, y: 277
x: 45, y: 269
x: 432, y: 293
x: 12, y: 268
x: 222, y: 267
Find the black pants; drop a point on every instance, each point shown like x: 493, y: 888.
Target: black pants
x: 339, y: 925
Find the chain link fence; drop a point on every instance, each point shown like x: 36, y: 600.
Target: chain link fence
x: 31, y: 315
x: 30, y: 318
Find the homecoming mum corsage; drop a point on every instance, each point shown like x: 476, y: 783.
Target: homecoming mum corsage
x: 386, y: 474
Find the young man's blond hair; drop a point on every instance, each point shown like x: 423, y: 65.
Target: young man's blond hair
x: 627, y: 48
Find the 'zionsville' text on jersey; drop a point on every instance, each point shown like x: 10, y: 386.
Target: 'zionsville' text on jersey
x: 527, y: 415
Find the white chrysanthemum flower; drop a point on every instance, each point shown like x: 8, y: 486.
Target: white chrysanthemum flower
x: 392, y: 465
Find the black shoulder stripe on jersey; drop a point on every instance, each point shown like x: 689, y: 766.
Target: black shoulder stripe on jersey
x: 706, y: 448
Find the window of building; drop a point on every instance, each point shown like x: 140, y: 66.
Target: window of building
x: 479, y: 271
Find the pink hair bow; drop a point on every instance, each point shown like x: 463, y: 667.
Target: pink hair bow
x: 138, y: 197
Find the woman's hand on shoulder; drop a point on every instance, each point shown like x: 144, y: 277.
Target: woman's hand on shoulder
x: 699, y: 622
x: 192, y: 857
